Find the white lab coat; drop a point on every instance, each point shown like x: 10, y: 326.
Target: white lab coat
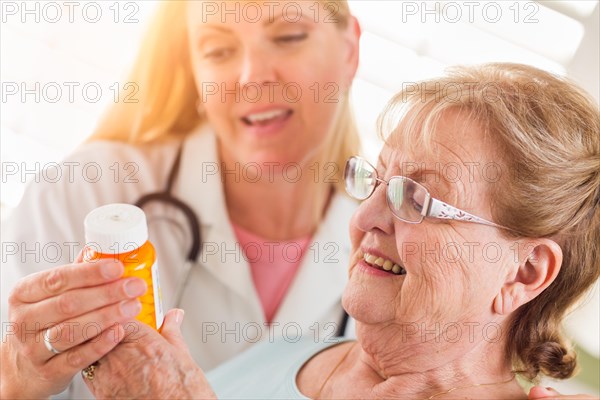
x: 223, y: 312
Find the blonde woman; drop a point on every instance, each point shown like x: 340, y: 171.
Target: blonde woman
x: 243, y: 114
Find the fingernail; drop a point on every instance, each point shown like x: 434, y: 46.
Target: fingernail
x: 111, y: 269
x: 131, y: 308
x: 135, y: 287
x: 79, y: 255
x: 179, y: 316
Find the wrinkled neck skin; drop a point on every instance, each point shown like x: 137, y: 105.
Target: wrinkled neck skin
x: 409, y: 366
x: 282, y: 205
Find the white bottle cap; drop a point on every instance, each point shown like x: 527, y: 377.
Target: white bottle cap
x: 116, y: 228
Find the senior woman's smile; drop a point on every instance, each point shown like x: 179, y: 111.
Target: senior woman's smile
x: 375, y: 259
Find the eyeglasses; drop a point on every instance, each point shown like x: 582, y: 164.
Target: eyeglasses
x: 408, y: 200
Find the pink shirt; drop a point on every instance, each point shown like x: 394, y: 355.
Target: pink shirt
x: 273, y: 263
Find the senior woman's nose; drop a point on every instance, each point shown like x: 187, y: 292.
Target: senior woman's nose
x: 257, y: 67
x: 373, y: 214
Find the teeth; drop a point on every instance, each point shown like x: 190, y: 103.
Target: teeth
x: 387, y: 265
x: 384, y: 264
x: 259, y: 117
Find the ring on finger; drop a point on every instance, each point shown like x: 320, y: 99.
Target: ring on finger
x: 49, y: 346
x: 89, y: 371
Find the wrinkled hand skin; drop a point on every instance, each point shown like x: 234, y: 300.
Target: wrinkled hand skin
x: 147, y: 365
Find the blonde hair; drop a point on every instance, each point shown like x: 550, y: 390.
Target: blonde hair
x: 548, y: 133
x: 167, y: 97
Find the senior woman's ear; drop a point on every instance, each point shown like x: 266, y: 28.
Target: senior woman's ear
x: 535, y: 272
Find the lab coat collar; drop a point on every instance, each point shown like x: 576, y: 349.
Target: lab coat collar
x: 324, y: 271
x: 324, y: 267
x: 201, y: 188
x: 200, y: 180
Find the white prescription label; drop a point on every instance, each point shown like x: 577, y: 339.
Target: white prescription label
x: 158, y: 308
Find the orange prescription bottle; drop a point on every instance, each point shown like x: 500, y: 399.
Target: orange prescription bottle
x: 120, y: 231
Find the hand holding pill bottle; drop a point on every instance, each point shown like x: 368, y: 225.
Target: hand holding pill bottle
x: 120, y: 231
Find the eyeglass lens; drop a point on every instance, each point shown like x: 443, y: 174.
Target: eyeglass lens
x: 406, y: 198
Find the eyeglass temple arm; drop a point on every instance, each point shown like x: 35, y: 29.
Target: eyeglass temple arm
x: 439, y: 209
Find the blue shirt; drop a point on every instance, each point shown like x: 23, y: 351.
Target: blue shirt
x: 267, y: 370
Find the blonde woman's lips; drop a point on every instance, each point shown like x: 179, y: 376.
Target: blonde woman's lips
x: 264, y: 117
x: 266, y: 121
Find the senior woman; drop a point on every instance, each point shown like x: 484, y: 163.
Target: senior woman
x: 459, y: 280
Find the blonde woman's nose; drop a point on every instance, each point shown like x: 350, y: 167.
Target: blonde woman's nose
x: 257, y: 68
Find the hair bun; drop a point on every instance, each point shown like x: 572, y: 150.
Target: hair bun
x: 552, y: 359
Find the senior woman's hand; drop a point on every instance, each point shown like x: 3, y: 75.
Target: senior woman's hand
x: 539, y: 392
x: 61, y: 320
x: 148, y: 364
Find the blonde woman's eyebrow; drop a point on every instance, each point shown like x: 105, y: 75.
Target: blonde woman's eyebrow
x: 286, y: 17
x: 202, y: 27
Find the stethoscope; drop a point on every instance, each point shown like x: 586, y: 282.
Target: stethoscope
x: 166, y: 197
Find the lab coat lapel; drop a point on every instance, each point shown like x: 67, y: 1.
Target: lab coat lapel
x: 200, y: 186
x: 323, y: 274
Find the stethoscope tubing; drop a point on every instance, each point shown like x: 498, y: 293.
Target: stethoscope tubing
x: 166, y: 196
